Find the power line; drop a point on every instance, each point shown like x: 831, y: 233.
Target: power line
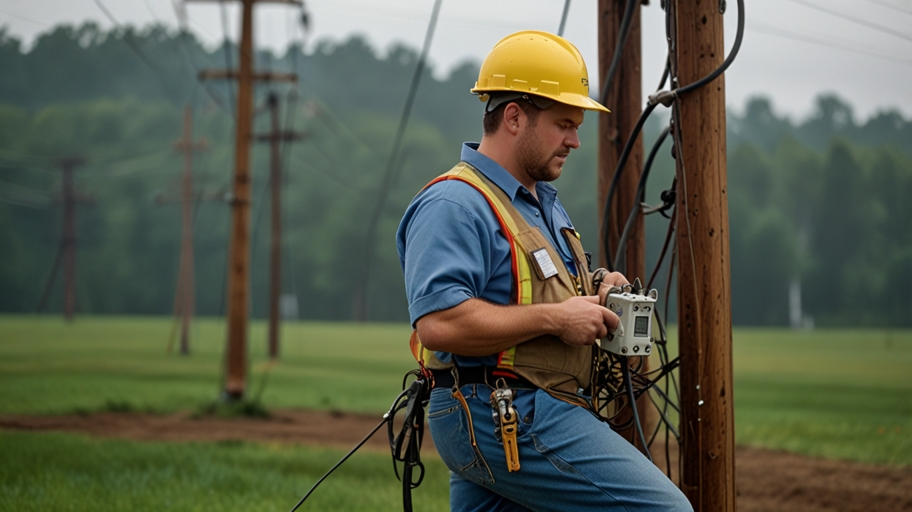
x: 182, y: 39
x: 774, y: 31
x: 128, y: 38
x: 226, y: 46
x: 891, y: 6
x: 864, y: 23
x: 389, y: 175
x: 619, y: 48
x: 149, y: 8
x: 24, y: 18
x: 563, y: 21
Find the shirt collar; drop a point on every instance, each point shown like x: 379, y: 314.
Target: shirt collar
x: 501, y: 177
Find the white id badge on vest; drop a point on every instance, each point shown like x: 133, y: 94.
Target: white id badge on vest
x: 542, y: 260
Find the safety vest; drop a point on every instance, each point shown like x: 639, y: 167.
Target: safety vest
x: 546, y: 361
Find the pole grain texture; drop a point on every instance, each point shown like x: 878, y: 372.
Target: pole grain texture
x: 704, y: 290
x: 239, y: 256
x: 624, y: 100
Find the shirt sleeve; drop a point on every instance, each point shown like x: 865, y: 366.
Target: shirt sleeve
x: 445, y: 249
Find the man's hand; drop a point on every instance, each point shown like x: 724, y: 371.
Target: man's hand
x: 584, y: 320
x: 611, y: 279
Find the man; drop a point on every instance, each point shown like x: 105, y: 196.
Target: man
x: 504, y: 308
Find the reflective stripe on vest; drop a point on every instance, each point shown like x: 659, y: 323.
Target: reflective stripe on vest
x: 519, y: 264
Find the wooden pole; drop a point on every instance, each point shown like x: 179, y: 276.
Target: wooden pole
x: 625, y: 102
x: 275, y: 249
x: 704, y: 293
x: 275, y: 137
x: 239, y: 251
x: 67, y: 249
x: 69, y: 238
x: 185, y: 297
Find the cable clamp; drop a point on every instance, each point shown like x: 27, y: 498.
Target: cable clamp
x: 666, y: 98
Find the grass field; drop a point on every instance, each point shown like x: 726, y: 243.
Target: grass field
x: 839, y: 394
x: 49, y: 367
x: 832, y: 393
x: 76, y: 473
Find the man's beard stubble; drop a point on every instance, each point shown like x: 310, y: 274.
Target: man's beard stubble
x: 532, y: 159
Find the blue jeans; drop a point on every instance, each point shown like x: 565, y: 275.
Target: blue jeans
x: 569, y: 459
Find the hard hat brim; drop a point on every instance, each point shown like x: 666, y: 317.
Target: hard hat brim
x: 574, y: 100
x: 584, y: 102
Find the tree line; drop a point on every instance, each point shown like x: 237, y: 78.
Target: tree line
x: 819, y: 204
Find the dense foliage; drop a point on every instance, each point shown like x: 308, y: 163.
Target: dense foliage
x: 822, y: 204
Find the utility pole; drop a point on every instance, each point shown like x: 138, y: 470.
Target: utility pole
x: 67, y: 249
x: 704, y: 292
x: 239, y: 251
x: 275, y: 137
x: 69, y: 236
x: 625, y: 102
x: 624, y: 99
x: 185, y: 294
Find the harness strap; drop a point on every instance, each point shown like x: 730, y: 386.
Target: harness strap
x: 519, y: 264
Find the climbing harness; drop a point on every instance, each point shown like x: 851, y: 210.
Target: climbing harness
x: 404, y: 445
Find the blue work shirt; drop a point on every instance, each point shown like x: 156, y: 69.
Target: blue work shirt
x: 451, y: 246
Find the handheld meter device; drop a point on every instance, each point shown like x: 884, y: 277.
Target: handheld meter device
x: 633, y: 336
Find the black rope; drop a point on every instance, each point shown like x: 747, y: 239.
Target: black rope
x: 405, y: 446
x: 386, y: 418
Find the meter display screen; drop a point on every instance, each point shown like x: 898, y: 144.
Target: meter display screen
x: 641, y: 327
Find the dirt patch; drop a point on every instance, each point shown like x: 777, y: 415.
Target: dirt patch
x: 323, y: 428
x: 766, y: 480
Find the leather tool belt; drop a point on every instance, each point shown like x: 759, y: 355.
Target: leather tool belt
x: 479, y: 375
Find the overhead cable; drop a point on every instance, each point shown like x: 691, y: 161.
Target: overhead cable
x: 666, y: 98
x: 391, y: 163
x: 618, y: 48
x: 563, y: 21
x: 772, y: 30
x: 641, y: 189
x: 136, y: 49
x: 891, y: 6
x: 864, y: 23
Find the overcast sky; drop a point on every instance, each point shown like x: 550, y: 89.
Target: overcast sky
x: 792, y: 50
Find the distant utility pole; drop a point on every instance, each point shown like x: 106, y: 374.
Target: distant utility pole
x: 704, y: 292
x: 275, y: 137
x: 239, y: 255
x: 67, y: 248
x: 185, y: 294
x: 625, y: 102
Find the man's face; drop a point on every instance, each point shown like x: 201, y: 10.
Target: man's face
x: 544, y: 144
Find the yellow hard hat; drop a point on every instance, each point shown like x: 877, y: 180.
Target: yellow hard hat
x: 537, y: 63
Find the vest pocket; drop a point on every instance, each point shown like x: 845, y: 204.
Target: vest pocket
x: 533, y: 240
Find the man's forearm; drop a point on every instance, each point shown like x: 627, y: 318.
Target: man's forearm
x: 477, y: 328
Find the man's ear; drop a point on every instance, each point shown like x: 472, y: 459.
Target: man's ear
x: 512, y: 116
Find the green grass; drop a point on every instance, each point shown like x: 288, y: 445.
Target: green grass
x: 76, y: 473
x: 830, y: 393
x: 843, y: 394
x: 99, y: 363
